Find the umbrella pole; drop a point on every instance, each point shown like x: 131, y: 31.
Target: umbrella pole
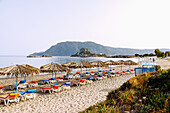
x: 17, y: 84
x: 129, y: 67
x: 24, y: 77
x: 52, y: 74
x: 81, y: 72
x: 121, y: 68
x: 55, y: 78
x: 98, y: 70
x: 110, y: 68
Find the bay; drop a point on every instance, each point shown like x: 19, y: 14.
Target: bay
x: 6, y: 61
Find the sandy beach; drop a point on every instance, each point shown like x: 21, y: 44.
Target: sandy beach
x: 71, y: 101
x: 74, y: 100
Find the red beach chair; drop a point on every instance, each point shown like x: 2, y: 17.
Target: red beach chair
x: 1, y: 89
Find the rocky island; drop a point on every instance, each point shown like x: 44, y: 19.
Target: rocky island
x: 85, y: 53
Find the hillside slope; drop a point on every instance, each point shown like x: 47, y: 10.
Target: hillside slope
x: 69, y: 48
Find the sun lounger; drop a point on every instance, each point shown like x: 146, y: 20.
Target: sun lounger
x: 60, y: 78
x: 104, y: 76
x: 44, y: 89
x: 11, y: 87
x: 52, y: 80
x: 4, y: 98
x: 123, y: 72
x: 34, y: 83
x: 117, y: 74
x: 30, y: 94
x: 127, y: 71
x: 82, y: 82
x: 74, y: 82
x: 55, y: 88
x: 1, y: 89
x: 22, y: 84
x: 66, y: 86
x: 111, y: 75
x: 45, y: 81
x: 132, y: 71
x: 100, y: 77
x: 22, y: 95
x: 13, y: 97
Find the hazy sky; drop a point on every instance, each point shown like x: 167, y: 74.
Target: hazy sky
x: 28, y: 26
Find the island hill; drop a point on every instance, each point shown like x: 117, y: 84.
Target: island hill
x: 85, y: 53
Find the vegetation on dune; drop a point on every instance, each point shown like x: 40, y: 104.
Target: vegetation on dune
x: 148, y: 92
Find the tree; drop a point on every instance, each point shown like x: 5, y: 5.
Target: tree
x: 167, y: 53
x: 157, y: 52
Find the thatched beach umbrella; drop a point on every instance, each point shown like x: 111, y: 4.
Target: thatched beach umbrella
x: 54, y: 67
x: 16, y: 70
x: 99, y: 64
x: 111, y: 62
x: 81, y: 65
x: 68, y: 64
x: 36, y: 70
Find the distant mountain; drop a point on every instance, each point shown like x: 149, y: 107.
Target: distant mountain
x: 69, y: 48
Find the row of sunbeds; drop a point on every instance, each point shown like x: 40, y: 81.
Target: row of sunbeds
x: 17, y: 96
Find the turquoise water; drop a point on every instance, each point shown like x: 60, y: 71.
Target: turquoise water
x: 6, y: 61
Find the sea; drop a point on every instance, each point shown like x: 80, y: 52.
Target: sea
x: 6, y: 61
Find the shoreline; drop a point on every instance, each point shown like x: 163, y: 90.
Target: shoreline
x: 74, y: 100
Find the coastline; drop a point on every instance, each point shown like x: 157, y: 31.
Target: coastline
x: 74, y: 100
x: 69, y: 101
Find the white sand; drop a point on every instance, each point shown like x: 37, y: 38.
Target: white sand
x: 74, y: 100
x: 71, y: 101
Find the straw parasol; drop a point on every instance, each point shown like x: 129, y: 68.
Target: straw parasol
x: 99, y: 64
x: 16, y: 70
x: 68, y: 64
x: 36, y: 70
x: 81, y: 65
x: 54, y: 67
x: 111, y: 62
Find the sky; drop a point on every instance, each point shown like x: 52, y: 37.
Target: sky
x: 28, y: 26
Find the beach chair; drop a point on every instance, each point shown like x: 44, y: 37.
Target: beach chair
x: 87, y: 73
x: 44, y: 89
x: 11, y: 87
x: 22, y: 95
x: 74, y: 82
x: 100, y: 77
x: 132, y: 71
x: 52, y: 80
x: 123, y: 72
x: 1, y: 89
x: 55, y: 88
x: 128, y: 71
x: 44, y: 81
x: 117, y: 74
x: 66, y: 86
x: 90, y: 79
x: 4, y: 98
x: 111, y: 75
x: 60, y: 79
x: 82, y: 82
x: 30, y: 94
x: 104, y: 76
x: 33, y: 83
x: 13, y: 97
